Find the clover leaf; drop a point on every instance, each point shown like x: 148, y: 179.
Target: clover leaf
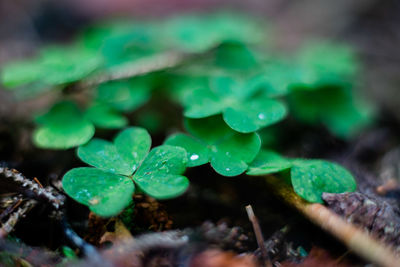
x: 108, y: 187
x: 310, y: 178
x: 242, y: 109
x: 104, y: 116
x: 194, y: 33
x: 54, y: 66
x: 335, y: 107
x: 275, y: 78
x: 212, y: 141
x: 136, y: 42
x: 235, y: 56
x: 268, y: 162
x: 19, y: 73
x: 181, y: 85
x: 65, y: 65
x: 62, y: 127
x: 324, y: 63
x: 125, y: 95
x: 65, y: 125
x: 105, y: 193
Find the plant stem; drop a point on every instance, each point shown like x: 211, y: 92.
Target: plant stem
x: 258, y: 233
x: 135, y: 68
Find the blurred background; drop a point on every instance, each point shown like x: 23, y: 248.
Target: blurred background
x: 372, y: 26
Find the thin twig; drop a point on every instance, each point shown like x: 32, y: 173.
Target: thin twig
x: 48, y: 193
x: 15, y: 204
x: 354, y: 238
x: 38, y: 182
x: 7, y: 200
x: 257, y: 230
x: 9, y: 225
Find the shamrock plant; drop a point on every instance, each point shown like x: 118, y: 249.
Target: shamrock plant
x: 323, y: 63
x: 52, y: 67
x: 242, y: 108
x: 217, y: 68
x: 200, y: 33
x: 107, y: 187
x: 335, y: 107
x: 309, y: 178
x: 125, y: 95
x: 65, y: 125
x: 228, y: 151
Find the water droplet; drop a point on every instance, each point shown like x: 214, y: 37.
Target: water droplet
x: 194, y: 157
x: 227, y: 169
x: 261, y: 116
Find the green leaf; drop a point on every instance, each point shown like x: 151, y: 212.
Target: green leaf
x: 325, y: 63
x: 226, y: 164
x: 63, y: 127
x: 129, y: 42
x: 179, y: 86
x: 104, y: 116
x: 255, y: 114
x: 190, y: 33
x: 19, y: 73
x: 197, y: 152
x: 62, y: 65
x: 341, y: 112
x: 310, y: 178
x: 275, y: 78
x: 105, y: 193
x: 228, y: 151
x: 198, y: 33
x: 225, y: 87
x: 104, y: 155
x: 242, y: 109
x: 160, y: 173
x: 54, y: 66
x: 230, y: 156
x: 123, y: 157
x: 124, y: 95
x: 268, y: 162
x: 197, y: 102
x: 235, y: 56
x: 108, y: 189
x: 133, y: 144
x: 210, y: 129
